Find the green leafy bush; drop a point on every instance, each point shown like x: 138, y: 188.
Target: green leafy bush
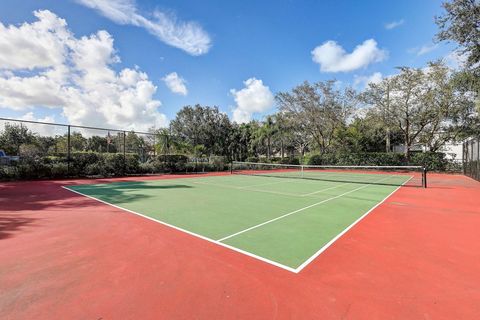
x: 148, y: 167
x: 290, y: 160
x: 252, y: 159
x: 173, y: 162
x: 59, y: 169
x: 95, y: 169
x: 435, y: 161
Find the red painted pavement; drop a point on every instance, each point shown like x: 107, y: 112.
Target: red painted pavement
x: 63, y: 256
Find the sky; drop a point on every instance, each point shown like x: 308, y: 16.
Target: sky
x: 132, y: 64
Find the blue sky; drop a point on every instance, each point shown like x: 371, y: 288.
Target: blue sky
x: 232, y: 54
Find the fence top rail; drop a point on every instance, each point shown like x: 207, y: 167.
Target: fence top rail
x: 73, y: 126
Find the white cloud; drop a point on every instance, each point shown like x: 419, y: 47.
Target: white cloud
x: 78, y: 79
x: 175, y: 83
x: 333, y: 58
x: 255, y: 97
x: 426, y: 48
x: 188, y: 36
x: 40, y: 44
x: 42, y: 129
x: 363, y: 81
x: 455, y: 60
x: 394, y: 24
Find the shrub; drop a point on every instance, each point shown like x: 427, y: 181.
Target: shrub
x: 114, y: 164
x: 217, y: 163
x: 33, y: 169
x: 59, y: 170
x: 434, y: 161
x: 147, y: 167
x: 95, y: 169
x: 252, y: 159
x: 173, y: 162
x: 80, y: 160
x: 290, y: 160
x: 132, y: 163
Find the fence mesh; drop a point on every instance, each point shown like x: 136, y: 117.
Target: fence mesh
x: 471, y: 158
x: 32, y: 149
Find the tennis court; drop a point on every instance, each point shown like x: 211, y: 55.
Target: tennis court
x: 282, y: 215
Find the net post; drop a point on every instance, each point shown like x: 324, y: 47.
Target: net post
x: 69, y: 150
x: 124, y: 153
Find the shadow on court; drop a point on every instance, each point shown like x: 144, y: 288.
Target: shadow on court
x: 11, y: 224
x: 125, y: 192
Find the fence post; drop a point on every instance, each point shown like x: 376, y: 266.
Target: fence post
x: 165, y: 149
x: 478, y: 159
x: 424, y: 176
x: 68, y: 151
x: 124, y: 152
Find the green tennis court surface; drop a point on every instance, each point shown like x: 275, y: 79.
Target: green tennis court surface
x: 284, y: 221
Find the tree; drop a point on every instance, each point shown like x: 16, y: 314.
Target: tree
x: 364, y: 134
x: 241, y: 137
x: 380, y: 95
x: 77, y: 141
x: 45, y: 144
x: 461, y: 23
x: 422, y: 104
x: 13, y: 136
x: 99, y: 144
x: 264, y: 134
x: 319, y: 108
x: 407, y: 111
x: 134, y: 143
x: 205, y: 126
x: 295, y: 136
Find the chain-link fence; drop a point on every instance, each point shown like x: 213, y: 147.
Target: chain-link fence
x: 33, y: 149
x: 471, y: 158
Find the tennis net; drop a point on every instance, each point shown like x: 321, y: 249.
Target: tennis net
x: 381, y: 175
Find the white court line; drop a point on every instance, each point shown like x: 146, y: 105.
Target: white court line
x: 243, y: 189
x: 298, y: 210
x: 274, y: 263
x: 321, y: 190
x: 328, y: 244
x: 188, y: 232
x: 262, y: 184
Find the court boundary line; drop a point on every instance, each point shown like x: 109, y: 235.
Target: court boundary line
x: 338, y: 236
x: 252, y: 255
x: 322, y: 190
x: 249, y: 188
x: 245, y: 189
x: 249, y: 254
x: 298, y: 210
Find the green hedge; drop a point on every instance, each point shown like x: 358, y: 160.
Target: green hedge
x: 81, y: 164
x: 434, y: 161
x: 84, y: 164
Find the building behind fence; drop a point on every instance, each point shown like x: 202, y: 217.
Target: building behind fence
x: 471, y: 158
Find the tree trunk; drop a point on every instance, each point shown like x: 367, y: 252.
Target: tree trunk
x: 387, y: 140
x: 268, y: 148
x: 406, y: 150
